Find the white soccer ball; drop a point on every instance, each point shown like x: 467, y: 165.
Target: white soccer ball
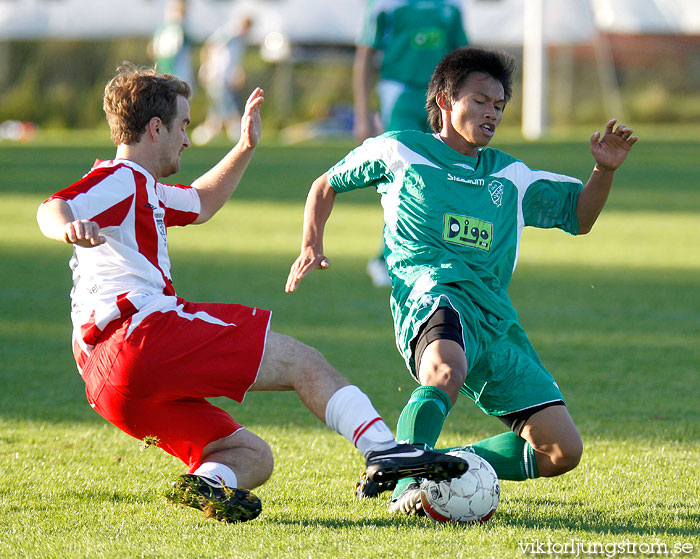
x: 473, y: 497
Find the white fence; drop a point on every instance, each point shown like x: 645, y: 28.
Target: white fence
x: 488, y: 22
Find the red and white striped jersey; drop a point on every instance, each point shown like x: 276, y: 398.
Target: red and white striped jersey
x: 130, y: 272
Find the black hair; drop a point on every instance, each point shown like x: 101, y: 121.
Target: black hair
x: 454, y: 68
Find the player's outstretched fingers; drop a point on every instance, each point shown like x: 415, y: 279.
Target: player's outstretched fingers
x: 626, y: 134
x: 301, y: 267
x: 295, y: 276
x: 610, y: 126
x: 255, y: 99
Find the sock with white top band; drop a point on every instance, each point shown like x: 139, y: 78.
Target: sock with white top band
x: 350, y: 412
x: 217, y: 473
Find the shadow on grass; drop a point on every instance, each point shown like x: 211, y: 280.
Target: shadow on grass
x: 587, y: 521
x: 96, y: 497
x: 591, y: 519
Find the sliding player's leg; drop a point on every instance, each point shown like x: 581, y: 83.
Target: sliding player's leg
x: 290, y: 365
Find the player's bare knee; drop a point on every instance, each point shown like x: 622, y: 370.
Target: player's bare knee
x: 314, y: 367
x: 265, y: 463
x: 257, y: 461
x: 445, y: 376
x: 573, y: 455
x: 315, y: 360
x: 248, y: 455
x: 290, y: 364
x: 449, y: 377
x: 457, y: 375
x: 566, y: 457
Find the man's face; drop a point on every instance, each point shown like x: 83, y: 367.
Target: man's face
x: 475, y: 113
x: 174, y: 141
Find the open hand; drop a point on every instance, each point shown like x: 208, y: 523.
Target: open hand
x: 612, y: 149
x: 251, y: 123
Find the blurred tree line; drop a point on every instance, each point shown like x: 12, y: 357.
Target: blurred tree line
x: 59, y: 84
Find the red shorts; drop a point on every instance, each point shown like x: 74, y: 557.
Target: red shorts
x: 153, y: 381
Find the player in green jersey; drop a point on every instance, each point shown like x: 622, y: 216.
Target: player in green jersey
x: 171, y: 44
x: 454, y: 212
x: 410, y: 37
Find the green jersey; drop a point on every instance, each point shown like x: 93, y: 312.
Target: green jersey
x: 172, y: 49
x: 413, y: 36
x: 453, y: 219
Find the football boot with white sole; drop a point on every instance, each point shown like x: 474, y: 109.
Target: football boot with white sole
x: 408, y: 502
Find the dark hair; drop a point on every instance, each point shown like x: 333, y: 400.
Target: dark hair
x: 137, y: 94
x: 455, y: 67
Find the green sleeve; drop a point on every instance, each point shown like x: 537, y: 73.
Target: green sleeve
x: 361, y: 168
x: 548, y: 204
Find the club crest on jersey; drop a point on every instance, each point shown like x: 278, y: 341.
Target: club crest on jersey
x: 159, y: 217
x: 496, y: 192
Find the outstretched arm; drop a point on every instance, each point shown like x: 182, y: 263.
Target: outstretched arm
x: 319, y: 204
x: 217, y: 185
x: 609, y: 153
x: 57, y: 222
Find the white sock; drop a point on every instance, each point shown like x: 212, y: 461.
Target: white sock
x: 218, y: 473
x: 350, y: 412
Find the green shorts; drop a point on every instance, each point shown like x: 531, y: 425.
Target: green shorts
x: 505, y: 374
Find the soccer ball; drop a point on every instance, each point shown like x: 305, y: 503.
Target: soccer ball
x: 473, y: 497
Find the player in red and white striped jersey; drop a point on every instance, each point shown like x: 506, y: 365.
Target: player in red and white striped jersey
x: 130, y: 271
x: 149, y: 358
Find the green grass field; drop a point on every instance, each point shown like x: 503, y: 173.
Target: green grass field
x: 614, y: 315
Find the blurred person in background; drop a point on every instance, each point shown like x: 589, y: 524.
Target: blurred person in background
x: 171, y: 47
x: 410, y: 37
x: 222, y: 75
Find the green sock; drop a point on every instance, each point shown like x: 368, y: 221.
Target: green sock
x: 421, y: 421
x: 510, y: 455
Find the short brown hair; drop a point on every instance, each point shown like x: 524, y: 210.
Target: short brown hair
x: 454, y: 68
x: 137, y: 94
